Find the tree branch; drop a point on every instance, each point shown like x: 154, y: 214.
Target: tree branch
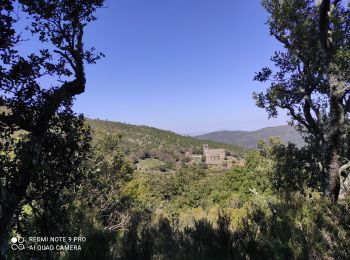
x: 65, y: 55
x: 344, y: 167
x: 325, y: 7
x: 308, y: 116
x: 347, y: 105
x: 296, y: 117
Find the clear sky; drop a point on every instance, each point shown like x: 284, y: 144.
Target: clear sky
x: 180, y: 65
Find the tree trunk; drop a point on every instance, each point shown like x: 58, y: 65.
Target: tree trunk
x: 4, y: 235
x: 336, y: 92
x: 334, y: 178
x: 336, y: 131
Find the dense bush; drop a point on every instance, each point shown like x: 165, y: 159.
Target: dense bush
x: 197, y: 213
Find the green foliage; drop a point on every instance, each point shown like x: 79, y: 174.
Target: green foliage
x: 295, y: 169
x: 46, y: 207
x: 292, y: 228
x: 108, y: 172
x: 198, y: 187
x: 64, y: 150
x: 251, y: 178
x: 274, y: 223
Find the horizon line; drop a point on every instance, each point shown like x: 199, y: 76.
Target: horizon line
x: 185, y: 133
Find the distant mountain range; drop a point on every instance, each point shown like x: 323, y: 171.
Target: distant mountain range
x: 249, y: 139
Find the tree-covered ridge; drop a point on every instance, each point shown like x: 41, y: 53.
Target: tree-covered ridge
x: 249, y: 139
x: 149, y: 142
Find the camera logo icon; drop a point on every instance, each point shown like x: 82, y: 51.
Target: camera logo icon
x: 17, y: 243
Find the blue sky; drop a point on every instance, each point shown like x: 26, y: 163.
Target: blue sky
x: 180, y: 65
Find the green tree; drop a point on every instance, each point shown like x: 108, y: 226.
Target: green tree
x: 312, y: 81
x: 46, y: 208
x: 109, y: 172
x: 30, y: 107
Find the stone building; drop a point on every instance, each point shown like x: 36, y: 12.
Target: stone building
x: 214, y: 156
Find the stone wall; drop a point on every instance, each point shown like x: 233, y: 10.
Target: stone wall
x: 214, y: 156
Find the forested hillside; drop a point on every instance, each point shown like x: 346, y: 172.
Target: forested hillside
x: 149, y: 142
